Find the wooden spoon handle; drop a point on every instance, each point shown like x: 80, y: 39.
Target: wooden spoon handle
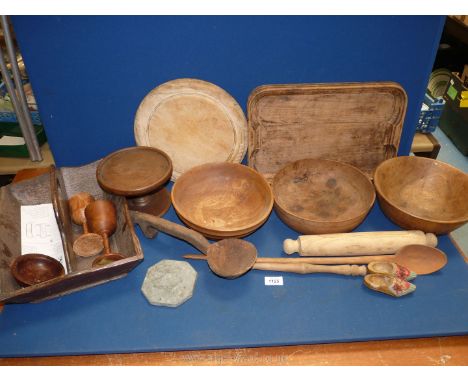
x: 304, y: 268
x: 326, y: 260
x: 313, y: 260
x: 150, y: 224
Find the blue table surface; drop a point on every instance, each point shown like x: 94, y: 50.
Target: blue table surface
x: 317, y: 308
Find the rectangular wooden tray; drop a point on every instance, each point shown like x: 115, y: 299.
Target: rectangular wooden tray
x: 56, y: 187
x: 356, y: 123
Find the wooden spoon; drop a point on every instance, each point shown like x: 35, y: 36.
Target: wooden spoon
x: 229, y: 258
x: 421, y: 259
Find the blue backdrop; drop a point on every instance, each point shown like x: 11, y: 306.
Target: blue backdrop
x: 89, y: 74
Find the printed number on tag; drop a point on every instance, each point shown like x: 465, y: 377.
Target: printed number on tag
x: 274, y: 280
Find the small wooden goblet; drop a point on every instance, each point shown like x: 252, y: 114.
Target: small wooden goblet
x: 102, y: 219
x: 88, y: 244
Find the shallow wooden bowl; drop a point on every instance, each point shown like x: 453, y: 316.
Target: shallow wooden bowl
x: 134, y: 171
x: 35, y: 268
x: 222, y: 200
x: 315, y: 196
x: 422, y: 193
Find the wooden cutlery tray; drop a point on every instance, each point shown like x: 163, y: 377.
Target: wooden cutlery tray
x: 56, y: 187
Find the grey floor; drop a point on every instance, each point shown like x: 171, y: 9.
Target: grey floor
x: 450, y: 154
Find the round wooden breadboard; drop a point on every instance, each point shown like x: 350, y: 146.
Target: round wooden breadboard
x: 194, y: 122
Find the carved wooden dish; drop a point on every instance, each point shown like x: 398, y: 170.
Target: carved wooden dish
x: 316, y: 196
x: 222, y: 200
x: 422, y: 193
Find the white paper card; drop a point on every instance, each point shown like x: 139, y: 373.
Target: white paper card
x: 40, y: 233
x: 270, y: 280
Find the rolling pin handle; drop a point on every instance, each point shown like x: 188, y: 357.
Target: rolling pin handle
x: 291, y: 246
x: 431, y: 240
x: 358, y: 270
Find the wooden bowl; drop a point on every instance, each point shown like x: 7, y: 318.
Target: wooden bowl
x: 35, y: 268
x: 222, y: 200
x: 422, y: 193
x: 316, y: 196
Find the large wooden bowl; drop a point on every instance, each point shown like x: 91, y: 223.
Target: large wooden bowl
x: 315, y: 196
x: 222, y: 200
x: 422, y: 193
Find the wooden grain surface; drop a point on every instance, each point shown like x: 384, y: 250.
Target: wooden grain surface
x: 355, y: 123
x: 439, y: 351
x: 222, y: 200
x: 425, y: 145
x: 194, y: 122
x: 421, y: 143
x: 316, y: 196
x: 427, y: 195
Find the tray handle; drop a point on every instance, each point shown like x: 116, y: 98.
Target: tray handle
x: 391, y: 139
x: 60, y: 216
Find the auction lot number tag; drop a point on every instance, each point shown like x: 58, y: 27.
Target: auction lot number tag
x: 273, y: 281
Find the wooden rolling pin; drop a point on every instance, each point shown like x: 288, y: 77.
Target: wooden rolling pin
x: 357, y: 243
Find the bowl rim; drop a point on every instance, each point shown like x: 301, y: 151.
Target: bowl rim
x: 222, y: 234
x: 341, y: 164
x: 422, y: 159
x: 254, y: 225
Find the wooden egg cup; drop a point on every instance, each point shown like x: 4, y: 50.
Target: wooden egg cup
x: 88, y: 244
x: 102, y: 219
x: 140, y: 174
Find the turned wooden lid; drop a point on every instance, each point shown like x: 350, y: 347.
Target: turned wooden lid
x: 355, y: 123
x: 134, y: 171
x: 194, y: 122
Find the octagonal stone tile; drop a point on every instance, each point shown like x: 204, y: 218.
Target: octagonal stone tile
x: 169, y: 283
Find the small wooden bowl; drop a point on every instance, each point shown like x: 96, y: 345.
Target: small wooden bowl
x: 423, y: 194
x: 35, y: 268
x: 316, y: 196
x: 222, y: 200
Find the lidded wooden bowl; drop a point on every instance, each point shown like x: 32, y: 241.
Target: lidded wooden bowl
x: 422, y: 193
x: 222, y: 200
x: 316, y: 196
